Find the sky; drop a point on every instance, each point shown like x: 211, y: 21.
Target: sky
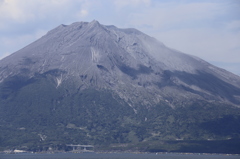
x: 209, y: 29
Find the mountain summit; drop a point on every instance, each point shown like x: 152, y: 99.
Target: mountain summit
x: 85, y: 77
x: 138, y: 68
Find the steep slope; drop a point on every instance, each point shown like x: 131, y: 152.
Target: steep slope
x: 81, y: 80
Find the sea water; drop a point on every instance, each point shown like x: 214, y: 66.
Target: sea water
x: 115, y: 156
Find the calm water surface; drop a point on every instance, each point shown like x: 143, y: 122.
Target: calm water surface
x: 114, y: 156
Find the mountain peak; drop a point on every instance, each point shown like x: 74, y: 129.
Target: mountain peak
x: 94, y: 22
x: 92, y: 54
x: 95, y: 25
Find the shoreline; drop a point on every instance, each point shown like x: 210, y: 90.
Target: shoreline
x: 117, y: 152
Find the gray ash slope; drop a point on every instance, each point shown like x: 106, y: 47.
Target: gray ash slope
x: 87, y: 83
x: 135, y: 66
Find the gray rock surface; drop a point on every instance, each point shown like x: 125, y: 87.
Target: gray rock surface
x: 137, y: 67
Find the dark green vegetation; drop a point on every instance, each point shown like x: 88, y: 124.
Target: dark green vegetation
x: 189, y: 146
x: 35, y: 115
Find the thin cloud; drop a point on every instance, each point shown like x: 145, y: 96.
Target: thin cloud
x: 124, y: 3
x: 233, y: 25
x: 207, y: 43
x: 26, y: 11
x: 163, y: 15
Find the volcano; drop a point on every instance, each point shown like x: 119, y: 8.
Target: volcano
x: 98, y: 84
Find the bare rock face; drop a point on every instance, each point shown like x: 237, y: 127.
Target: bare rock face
x: 133, y: 65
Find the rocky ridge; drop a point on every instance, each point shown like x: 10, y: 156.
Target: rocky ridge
x: 135, y: 66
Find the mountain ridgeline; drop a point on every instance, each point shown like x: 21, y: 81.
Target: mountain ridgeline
x: 88, y: 83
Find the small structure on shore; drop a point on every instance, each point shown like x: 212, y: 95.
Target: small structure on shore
x: 82, y: 148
